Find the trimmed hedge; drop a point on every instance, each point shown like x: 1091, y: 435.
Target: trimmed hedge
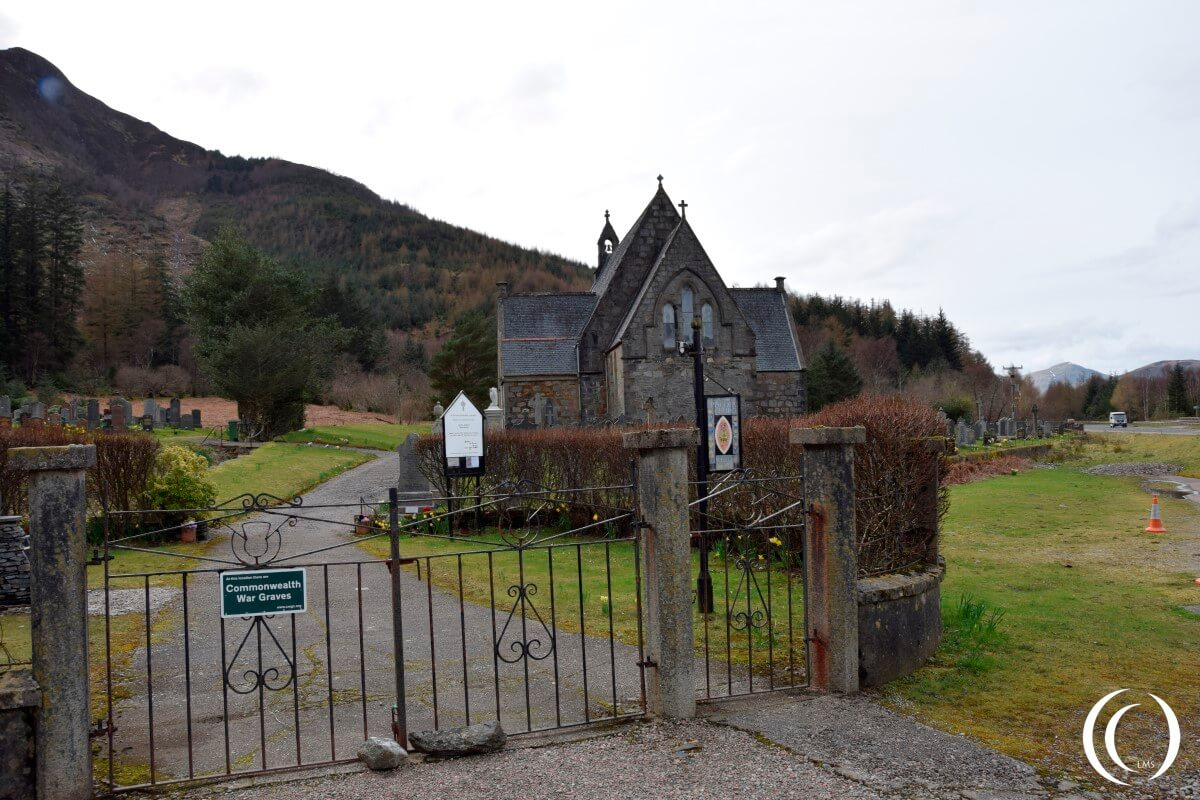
x: 892, y: 470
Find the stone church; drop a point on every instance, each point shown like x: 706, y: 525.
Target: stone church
x: 611, y: 354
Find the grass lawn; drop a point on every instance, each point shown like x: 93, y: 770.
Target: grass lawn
x: 282, y: 470
x: 1090, y: 602
x: 371, y: 436
x: 611, y: 593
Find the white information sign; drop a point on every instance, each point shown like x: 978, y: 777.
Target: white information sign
x: 462, y: 427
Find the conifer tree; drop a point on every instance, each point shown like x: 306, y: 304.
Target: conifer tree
x: 467, y: 362
x: 1177, y: 392
x: 831, y: 377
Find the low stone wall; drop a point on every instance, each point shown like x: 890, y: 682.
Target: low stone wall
x: 899, y: 623
x: 14, y: 566
x: 19, y: 697
x: 1031, y: 451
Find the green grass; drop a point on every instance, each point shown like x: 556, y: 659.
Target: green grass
x: 371, y: 436
x: 601, y: 599
x: 1089, y: 603
x: 283, y: 470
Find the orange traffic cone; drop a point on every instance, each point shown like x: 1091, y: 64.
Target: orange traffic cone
x: 1156, y: 525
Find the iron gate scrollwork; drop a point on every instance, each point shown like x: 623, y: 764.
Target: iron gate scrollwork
x: 752, y: 527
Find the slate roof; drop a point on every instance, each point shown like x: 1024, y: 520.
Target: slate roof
x: 541, y: 331
x: 774, y: 340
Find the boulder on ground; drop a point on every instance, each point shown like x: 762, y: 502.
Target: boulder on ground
x: 486, y: 737
x: 379, y: 753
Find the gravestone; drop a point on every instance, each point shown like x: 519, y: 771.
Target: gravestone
x: 81, y: 408
x: 54, y: 418
x: 68, y: 414
x: 438, y: 410
x: 412, y: 486
x: 980, y: 429
x: 37, y: 409
x: 117, y: 418
x: 125, y: 406
x: 960, y: 434
x: 5, y: 406
x: 150, y: 409
x: 148, y: 423
x: 173, y: 413
x: 196, y: 418
x: 160, y: 416
x: 185, y: 422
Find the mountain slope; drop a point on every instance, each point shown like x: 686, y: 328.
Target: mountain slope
x: 1159, y: 369
x: 1066, y: 372
x: 146, y: 191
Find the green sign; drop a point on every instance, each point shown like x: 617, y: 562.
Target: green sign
x: 264, y: 591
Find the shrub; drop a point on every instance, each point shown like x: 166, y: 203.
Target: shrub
x: 180, y: 481
x: 124, y: 462
x: 13, y: 483
x: 124, y: 465
x: 892, y: 472
x: 975, y: 469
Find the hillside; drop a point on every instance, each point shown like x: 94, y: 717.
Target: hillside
x: 1159, y: 369
x: 1065, y: 372
x: 145, y: 192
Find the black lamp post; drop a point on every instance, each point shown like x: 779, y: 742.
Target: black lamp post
x: 704, y: 588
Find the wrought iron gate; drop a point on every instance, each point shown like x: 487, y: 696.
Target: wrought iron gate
x: 748, y: 529
x: 522, y: 604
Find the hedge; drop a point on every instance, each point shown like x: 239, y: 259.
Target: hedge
x: 891, y: 471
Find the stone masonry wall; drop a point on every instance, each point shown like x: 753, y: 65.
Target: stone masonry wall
x: 780, y: 394
x: 521, y: 400
x: 14, y: 566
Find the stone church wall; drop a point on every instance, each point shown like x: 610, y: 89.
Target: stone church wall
x: 780, y: 394
x: 525, y: 399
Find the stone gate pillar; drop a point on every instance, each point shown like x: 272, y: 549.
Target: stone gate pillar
x: 662, y: 501
x: 58, y: 606
x: 831, y: 555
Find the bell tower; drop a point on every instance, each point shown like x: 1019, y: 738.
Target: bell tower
x: 606, y: 244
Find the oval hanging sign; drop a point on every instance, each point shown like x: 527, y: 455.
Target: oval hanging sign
x: 723, y: 435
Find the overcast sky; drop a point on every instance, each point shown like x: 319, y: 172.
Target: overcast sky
x: 1032, y: 168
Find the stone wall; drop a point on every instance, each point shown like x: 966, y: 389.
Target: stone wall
x: 899, y: 623
x: 525, y: 397
x: 14, y: 566
x: 19, y: 696
x: 780, y: 394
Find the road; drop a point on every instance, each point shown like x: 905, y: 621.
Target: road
x: 1165, y: 430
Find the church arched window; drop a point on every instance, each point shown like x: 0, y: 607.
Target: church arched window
x: 706, y: 319
x: 668, y: 326
x: 685, y: 305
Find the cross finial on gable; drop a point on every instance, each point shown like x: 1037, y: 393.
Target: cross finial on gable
x: 606, y: 215
x: 660, y: 180
x: 683, y: 208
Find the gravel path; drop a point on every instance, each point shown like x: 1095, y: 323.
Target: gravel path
x: 1135, y: 469
x: 693, y: 760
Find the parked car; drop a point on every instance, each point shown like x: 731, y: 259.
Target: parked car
x: 1118, y: 419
